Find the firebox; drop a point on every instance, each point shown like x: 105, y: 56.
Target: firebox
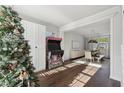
x: 54, y: 52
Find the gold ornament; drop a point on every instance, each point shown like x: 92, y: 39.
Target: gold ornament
x: 23, y: 75
x: 16, y: 32
x: 1, y: 13
x: 15, y: 49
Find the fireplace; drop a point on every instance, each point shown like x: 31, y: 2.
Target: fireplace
x: 54, y: 52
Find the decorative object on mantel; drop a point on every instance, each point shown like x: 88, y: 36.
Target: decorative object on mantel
x: 53, y: 52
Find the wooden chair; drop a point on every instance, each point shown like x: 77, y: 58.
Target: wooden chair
x: 88, y: 56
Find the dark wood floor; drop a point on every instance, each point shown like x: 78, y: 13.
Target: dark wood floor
x: 77, y: 75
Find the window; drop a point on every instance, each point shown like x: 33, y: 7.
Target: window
x: 103, y: 39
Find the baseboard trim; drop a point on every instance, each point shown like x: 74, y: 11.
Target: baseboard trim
x: 73, y: 58
x: 114, y: 78
x: 122, y: 84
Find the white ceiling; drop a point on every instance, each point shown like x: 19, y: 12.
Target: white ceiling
x: 96, y: 29
x: 59, y: 15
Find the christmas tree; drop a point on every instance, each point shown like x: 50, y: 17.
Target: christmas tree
x: 16, y: 68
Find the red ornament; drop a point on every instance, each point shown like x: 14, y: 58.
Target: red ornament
x: 10, y: 66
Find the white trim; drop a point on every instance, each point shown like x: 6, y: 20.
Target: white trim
x: 111, y: 51
x: 122, y: 48
x: 111, y: 47
x: 122, y: 58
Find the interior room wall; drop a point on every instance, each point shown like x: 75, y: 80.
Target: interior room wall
x: 68, y: 38
x: 53, y: 29
x: 49, y: 27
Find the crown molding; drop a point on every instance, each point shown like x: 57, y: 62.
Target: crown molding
x: 91, y: 19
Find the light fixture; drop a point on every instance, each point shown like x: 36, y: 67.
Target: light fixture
x: 92, y: 41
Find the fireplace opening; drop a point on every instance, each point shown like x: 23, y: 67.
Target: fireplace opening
x: 54, y: 53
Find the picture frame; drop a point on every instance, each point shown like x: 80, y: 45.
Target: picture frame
x: 75, y: 45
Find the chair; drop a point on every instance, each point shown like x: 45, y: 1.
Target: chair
x: 99, y: 58
x: 88, y: 56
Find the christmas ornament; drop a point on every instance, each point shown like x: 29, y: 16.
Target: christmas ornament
x: 4, y: 49
x: 15, y: 49
x: 16, y: 32
x: 1, y: 13
x: 23, y: 75
x: 10, y: 66
x: 20, y: 50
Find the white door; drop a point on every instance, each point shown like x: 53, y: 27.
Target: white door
x: 35, y: 34
x: 40, y: 50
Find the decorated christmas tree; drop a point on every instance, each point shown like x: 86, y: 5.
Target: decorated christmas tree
x: 16, y: 68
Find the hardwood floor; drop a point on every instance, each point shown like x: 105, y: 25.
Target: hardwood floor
x: 75, y: 74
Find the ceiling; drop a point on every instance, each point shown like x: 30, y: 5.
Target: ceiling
x: 59, y: 15
x: 96, y: 29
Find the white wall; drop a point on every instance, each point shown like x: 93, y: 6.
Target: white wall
x: 53, y: 29
x: 68, y: 37
x: 49, y: 27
